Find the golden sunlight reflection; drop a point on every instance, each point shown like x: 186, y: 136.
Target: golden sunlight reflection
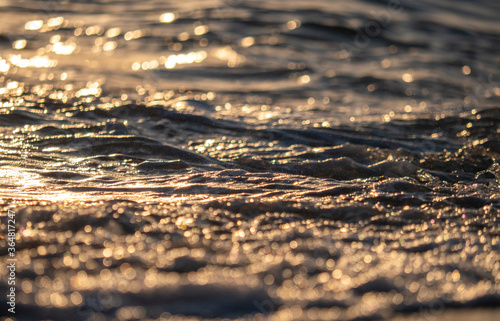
x: 223, y: 154
x: 55, y: 22
x: 200, y: 30
x: 407, y: 77
x: 36, y: 61
x: 94, y: 30
x: 20, y: 177
x: 33, y: 25
x: 293, y: 24
x: 168, y: 17
x: 63, y: 49
x: 4, y: 66
x: 172, y: 61
x: 228, y: 54
x: 92, y: 89
x: 109, y: 46
x: 131, y: 35
x: 113, y: 32
x: 182, y: 59
x: 13, y: 88
x: 247, y: 42
x: 19, y: 44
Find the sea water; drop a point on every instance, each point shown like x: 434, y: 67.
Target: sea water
x: 250, y: 160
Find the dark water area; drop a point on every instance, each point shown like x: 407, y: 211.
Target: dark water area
x: 250, y: 160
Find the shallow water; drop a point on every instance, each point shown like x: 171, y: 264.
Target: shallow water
x: 314, y: 160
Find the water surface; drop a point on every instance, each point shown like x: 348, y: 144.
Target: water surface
x: 298, y: 160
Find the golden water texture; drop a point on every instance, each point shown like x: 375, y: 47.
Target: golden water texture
x: 251, y: 160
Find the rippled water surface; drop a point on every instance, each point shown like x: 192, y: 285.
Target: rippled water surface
x: 251, y: 160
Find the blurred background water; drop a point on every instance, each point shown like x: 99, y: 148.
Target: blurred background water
x: 308, y: 160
